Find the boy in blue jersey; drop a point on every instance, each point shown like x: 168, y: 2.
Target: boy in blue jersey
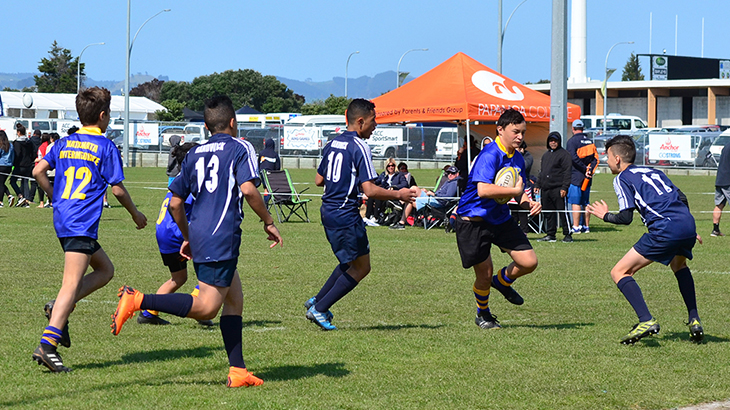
x: 481, y: 221
x: 670, y: 238
x: 86, y: 163
x: 217, y: 173
x: 169, y: 240
x: 345, y: 171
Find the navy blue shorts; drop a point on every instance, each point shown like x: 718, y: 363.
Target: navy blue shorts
x: 218, y: 274
x: 662, y: 250
x: 80, y: 244
x: 348, y: 243
x: 578, y: 197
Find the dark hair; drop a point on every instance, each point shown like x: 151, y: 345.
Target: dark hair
x: 45, y: 137
x: 91, y: 102
x: 179, y: 151
x: 37, y: 132
x: 72, y: 130
x: 218, y: 113
x: 624, y: 147
x: 523, y: 145
x: 4, y: 143
x: 358, y: 107
x: 510, y: 116
x: 20, y: 127
x: 54, y: 136
x: 403, y: 165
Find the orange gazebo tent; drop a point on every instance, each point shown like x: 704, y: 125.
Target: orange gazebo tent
x: 461, y: 89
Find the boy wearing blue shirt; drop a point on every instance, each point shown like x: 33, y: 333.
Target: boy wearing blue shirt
x: 345, y: 171
x: 218, y: 174
x: 670, y: 238
x: 86, y: 163
x: 481, y: 221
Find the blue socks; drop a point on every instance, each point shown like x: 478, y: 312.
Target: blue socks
x: 339, y: 270
x: 177, y: 304
x: 687, y: 289
x: 231, y: 328
x: 632, y: 293
x: 342, y: 286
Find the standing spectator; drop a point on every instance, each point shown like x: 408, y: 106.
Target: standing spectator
x: 173, y: 165
x: 7, y: 155
x: 528, y: 158
x: 52, y: 173
x: 584, y: 156
x: 722, y: 189
x: 553, y: 183
x: 23, y: 171
x: 41, y: 152
x: 37, y: 140
x: 462, y: 161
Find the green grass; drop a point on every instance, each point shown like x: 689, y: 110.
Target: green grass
x: 407, y: 339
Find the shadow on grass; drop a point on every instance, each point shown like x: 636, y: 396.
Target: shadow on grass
x: 283, y: 373
x: 684, y: 336
x: 261, y: 323
x: 560, y: 326
x: 400, y: 327
x: 160, y: 355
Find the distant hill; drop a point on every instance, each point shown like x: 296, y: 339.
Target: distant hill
x: 362, y: 87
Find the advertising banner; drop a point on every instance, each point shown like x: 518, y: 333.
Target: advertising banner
x: 302, y: 138
x: 144, y: 134
x: 386, y: 136
x: 724, y: 69
x: 659, y: 68
x: 665, y: 147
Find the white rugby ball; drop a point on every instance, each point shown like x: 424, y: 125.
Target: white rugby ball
x: 506, y: 177
x: 27, y: 100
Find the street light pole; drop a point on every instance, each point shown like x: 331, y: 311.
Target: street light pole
x: 78, y: 66
x: 501, y: 32
x: 346, y: 65
x: 605, y: 81
x: 126, y: 79
x: 397, y: 71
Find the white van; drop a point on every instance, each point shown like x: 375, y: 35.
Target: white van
x: 196, y: 132
x: 448, y: 143
x: 46, y: 125
x: 624, y: 123
x: 308, y: 133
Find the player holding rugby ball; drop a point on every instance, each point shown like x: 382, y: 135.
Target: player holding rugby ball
x: 483, y: 218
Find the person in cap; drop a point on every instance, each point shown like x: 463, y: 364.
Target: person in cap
x: 585, y: 161
x: 552, y: 184
x: 437, y: 199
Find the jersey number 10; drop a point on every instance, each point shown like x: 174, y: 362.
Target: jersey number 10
x: 334, y: 166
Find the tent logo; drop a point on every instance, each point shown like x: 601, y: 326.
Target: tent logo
x: 494, y: 85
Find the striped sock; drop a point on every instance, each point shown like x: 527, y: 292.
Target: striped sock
x: 482, y: 297
x: 51, y: 336
x: 195, y: 291
x: 501, y: 280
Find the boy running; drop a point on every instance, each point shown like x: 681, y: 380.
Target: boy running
x: 86, y: 163
x: 481, y: 221
x: 346, y: 170
x: 670, y: 238
x: 217, y: 174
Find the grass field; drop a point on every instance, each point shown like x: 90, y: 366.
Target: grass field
x: 407, y: 338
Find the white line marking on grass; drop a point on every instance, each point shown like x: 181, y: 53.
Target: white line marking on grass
x: 266, y: 329
x: 712, y: 272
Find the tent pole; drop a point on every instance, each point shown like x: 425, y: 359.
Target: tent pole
x: 467, y: 139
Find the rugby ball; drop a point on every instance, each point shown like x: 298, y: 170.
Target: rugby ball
x: 27, y: 100
x: 507, y: 177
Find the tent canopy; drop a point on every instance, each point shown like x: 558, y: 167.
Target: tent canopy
x: 191, y: 115
x: 248, y: 110
x: 460, y: 89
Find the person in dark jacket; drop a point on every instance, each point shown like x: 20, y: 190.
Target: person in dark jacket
x: 268, y: 158
x: 585, y: 161
x: 463, y: 160
x: 388, y: 179
x: 24, y: 158
x: 173, y: 165
x: 528, y: 158
x: 722, y: 189
x: 553, y: 183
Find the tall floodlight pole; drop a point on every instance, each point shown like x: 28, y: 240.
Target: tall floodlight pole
x: 126, y: 78
x: 605, y: 82
x: 501, y: 32
x: 397, y: 71
x: 78, y: 66
x: 558, y: 69
x: 346, y: 65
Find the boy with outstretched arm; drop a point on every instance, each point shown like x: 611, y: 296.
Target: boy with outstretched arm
x: 670, y: 238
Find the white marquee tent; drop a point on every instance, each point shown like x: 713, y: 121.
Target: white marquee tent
x: 64, y: 105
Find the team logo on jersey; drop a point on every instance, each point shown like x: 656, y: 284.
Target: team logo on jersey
x: 494, y: 85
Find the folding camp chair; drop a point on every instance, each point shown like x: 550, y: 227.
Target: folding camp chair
x: 285, y: 199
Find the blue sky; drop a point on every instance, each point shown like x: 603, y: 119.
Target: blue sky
x: 312, y: 39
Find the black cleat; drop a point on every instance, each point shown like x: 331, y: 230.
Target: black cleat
x: 65, y: 337
x: 568, y: 239
x: 154, y: 320
x: 547, y: 238
x: 206, y: 323
x: 510, y: 294
x: 489, y: 322
x: 696, y: 332
x: 47, y: 356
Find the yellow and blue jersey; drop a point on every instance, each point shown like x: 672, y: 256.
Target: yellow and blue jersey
x: 486, y: 165
x: 169, y: 237
x: 86, y: 163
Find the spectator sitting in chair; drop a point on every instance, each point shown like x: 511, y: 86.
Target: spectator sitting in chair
x: 403, y: 170
x: 388, y: 179
x: 437, y: 199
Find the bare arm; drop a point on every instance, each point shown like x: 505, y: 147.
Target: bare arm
x: 376, y: 192
x: 177, y: 211
x: 120, y: 192
x: 39, y: 173
x: 319, y: 180
x: 253, y: 197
